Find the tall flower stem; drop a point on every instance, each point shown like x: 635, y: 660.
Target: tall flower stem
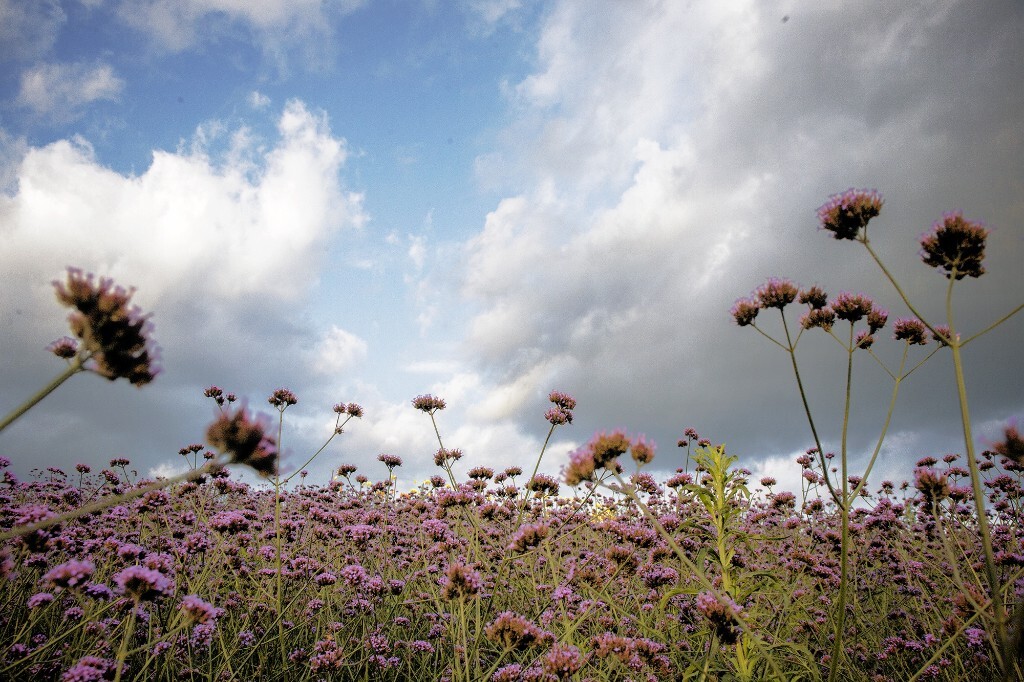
x: 976, y: 486
x: 73, y: 368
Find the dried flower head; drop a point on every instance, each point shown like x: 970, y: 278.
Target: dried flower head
x: 1012, y: 445
x: 443, y: 456
x: 877, y: 318
x: 245, y: 440
x: 776, y: 293
x: 722, y: 614
x: 911, y: 330
x: 513, y: 631
x: 955, y: 245
x: 744, y: 311
x: 845, y: 214
x: 114, y: 334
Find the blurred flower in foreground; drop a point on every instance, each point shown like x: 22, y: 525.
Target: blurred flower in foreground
x: 956, y: 246
x: 245, y: 440
x: 114, y: 335
x: 845, y: 214
x: 1012, y: 445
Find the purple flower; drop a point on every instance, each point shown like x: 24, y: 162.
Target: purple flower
x: 722, y: 614
x: 744, y: 311
x: 89, y: 669
x: 911, y: 330
x: 390, y: 461
x: 114, y: 334
x: 70, y: 574
x: 39, y: 599
x: 815, y: 297
x: 245, y: 440
x: 282, y: 398
x: 955, y: 245
x: 776, y: 293
x: 199, y: 611
x: 428, y: 403
x: 845, y: 214
x: 563, y: 661
x: 143, y: 584
x: 461, y: 582
x: 851, y: 307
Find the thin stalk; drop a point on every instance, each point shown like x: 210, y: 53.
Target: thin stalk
x: 844, y: 517
x: 979, y: 494
x: 73, y: 368
x: 807, y: 410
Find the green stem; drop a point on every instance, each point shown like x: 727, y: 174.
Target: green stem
x: 73, y: 368
x: 1002, y: 641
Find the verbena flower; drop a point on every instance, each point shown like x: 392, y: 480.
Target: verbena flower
x: 1012, y: 445
x: 390, y: 461
x: 744, y: 311
x: 428, y: 403
x: 282, y: 398
x: 70, y: 574
x: 815, y: 297
x: 542, y: 484
x: 721, y: 614
x: 642, y: 451
x: 114, y: 334
x: 851, y: 307
x: 461, y: 582
x: 845, y: 214
x: 143, y: 584
x: 198, y: 610
x: 955, y: 245
x: 776, y: 293
x: 910, y: 330
x: 90, y: 669
x: 933, y: 486
x: 514, y: 632
x: 822, y: 318
x: 563, y: 661
x: 245, y: 440
x: 529, y: 535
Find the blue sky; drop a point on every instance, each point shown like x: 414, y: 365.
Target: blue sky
x: 488, y: 200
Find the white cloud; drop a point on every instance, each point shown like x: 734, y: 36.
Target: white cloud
x: 194, y: 232
x: 59, y: 91
x: 667, y: 157
x: 28, y: 29
x: 278, y: 25
x: 337, y: 351
x: 257, y: 100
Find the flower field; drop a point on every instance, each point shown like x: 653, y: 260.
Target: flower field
x: 605, y: 572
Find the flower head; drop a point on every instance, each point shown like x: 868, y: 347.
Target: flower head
x: 282, y: 398
x: 822, y: 318
x: 199, y: 611
x: 1012, y: 445
x: 722, y: 614
x: 462, y: 582
x: 845, y: 214
x: 428, y: 403
x: 70, y: 574
x: 64, y: 347
x: 934, y: 487
x: 245, y: 439
x: 744, y: 311
x: 911, y: 330
x: 390, y: 461
x: 877, y: 318
x: 852, y: 307
x: 642, y: 451
x: 814, y: 297
x: 143, y: 584
x: 776, y: 293
x: 114, y: 334
x: 955, y: 245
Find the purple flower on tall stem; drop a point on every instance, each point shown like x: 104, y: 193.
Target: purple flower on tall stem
x: 70, y: 574
x: 845, y: 214
x: 852, y: 307
x: 143, y: 584
x: 245, y: 440
x: 815, y: 297
x: 462, y: 582
x: 955, y: 245
x: 282, y: 398
x: 822, y: 318
x: 114, y: 334
x: 390, y: 461
x: 910, y: 330
x: 776, y: 293
x: 744, y: 311
x: 428, y: 403
x: 198, y: 610
x: 1012, y: 445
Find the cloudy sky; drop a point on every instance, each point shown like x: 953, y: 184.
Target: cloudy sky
x: 486, y: 200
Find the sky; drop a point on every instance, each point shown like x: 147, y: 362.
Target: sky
x: 487, y: 200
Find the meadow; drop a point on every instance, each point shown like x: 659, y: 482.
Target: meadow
x: 604, y: 572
